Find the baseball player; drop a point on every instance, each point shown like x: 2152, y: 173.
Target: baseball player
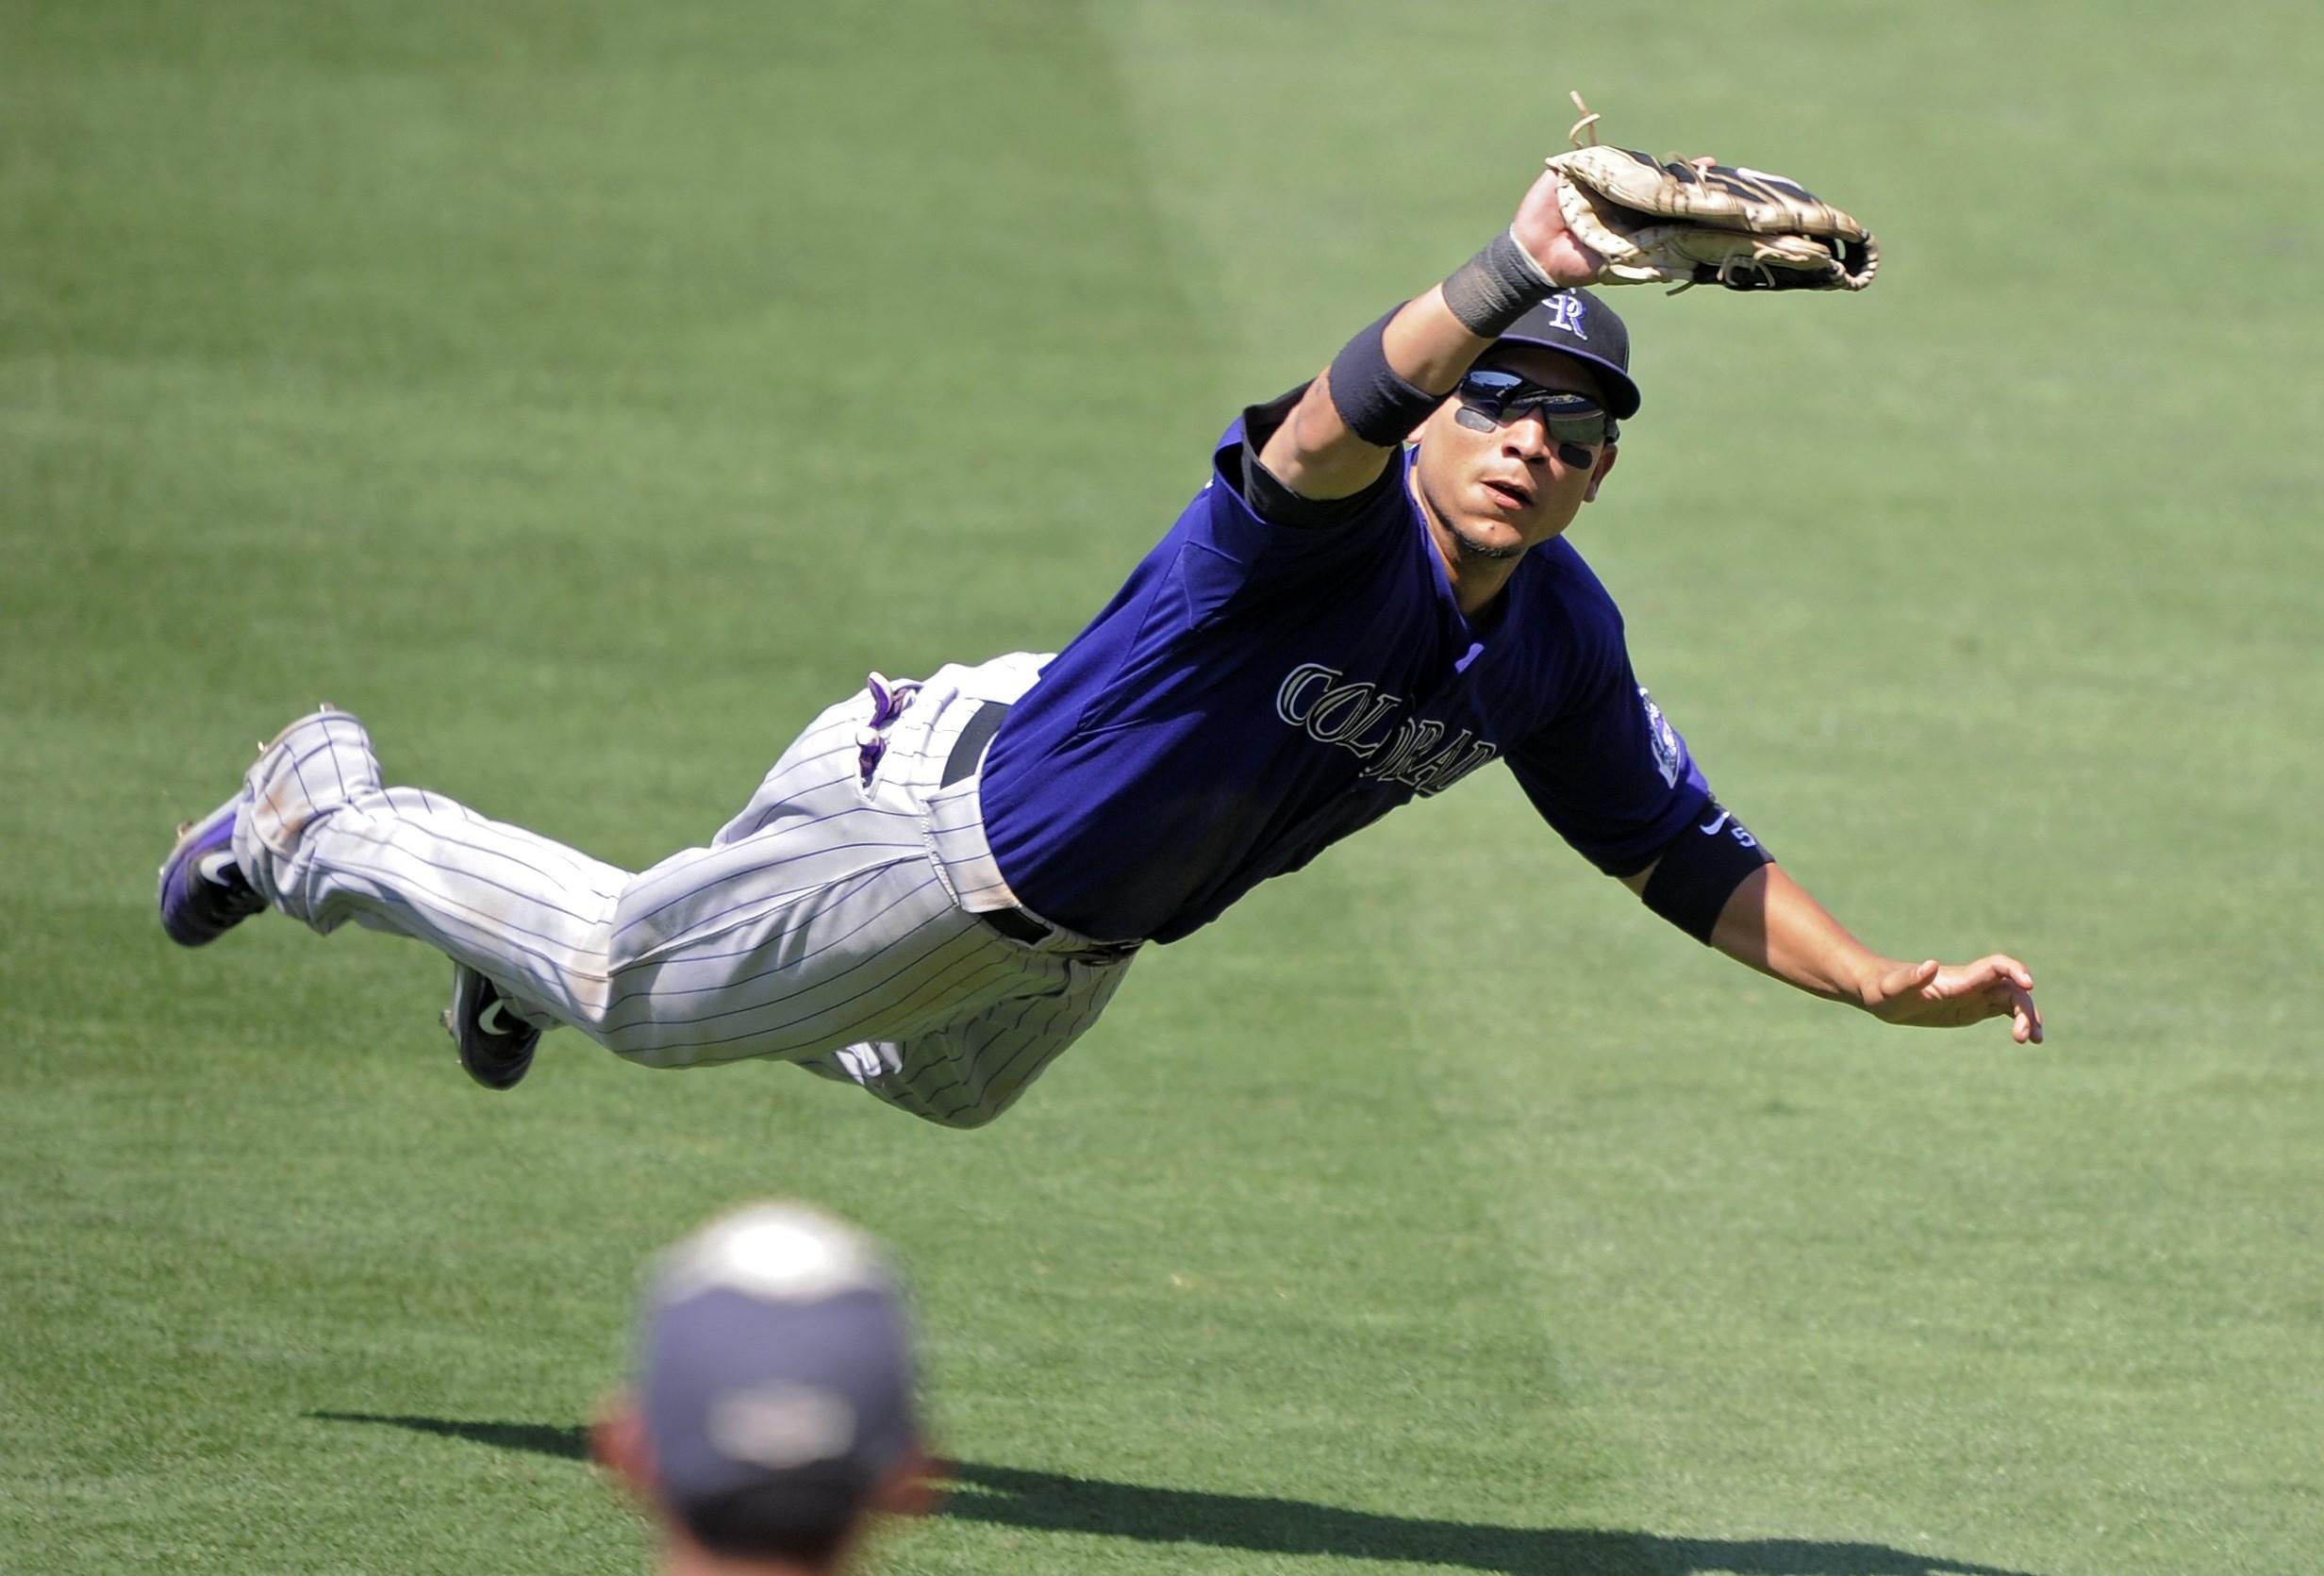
x: 769, y: 1418
x: 942, y: 882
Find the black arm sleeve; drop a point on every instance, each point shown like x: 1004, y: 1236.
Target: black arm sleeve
x: 1699, y: 869
x: 1277, y: 504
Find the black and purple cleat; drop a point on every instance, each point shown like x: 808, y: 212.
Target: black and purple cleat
x: 203, y: 893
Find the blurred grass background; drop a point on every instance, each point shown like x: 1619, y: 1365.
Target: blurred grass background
x: 585, y: 393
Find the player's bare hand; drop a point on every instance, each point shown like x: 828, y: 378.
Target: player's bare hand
x: 1540, y: 229
x: 1933, y: 995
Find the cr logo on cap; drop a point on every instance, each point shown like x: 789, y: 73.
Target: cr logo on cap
x: 1569, y: 314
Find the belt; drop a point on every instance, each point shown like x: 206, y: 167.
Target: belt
x: 966, y: 755
x: 1017, y: 925
x: 968, y: 749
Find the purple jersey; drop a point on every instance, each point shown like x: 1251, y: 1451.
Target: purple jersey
x: 1257, y: 691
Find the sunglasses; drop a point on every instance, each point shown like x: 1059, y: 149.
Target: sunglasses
x: 1575, y: 422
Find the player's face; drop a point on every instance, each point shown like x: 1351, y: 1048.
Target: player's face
x: 1496, y: 493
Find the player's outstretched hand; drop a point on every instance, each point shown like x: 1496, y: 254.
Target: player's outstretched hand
x: 1933, y: 995
x: 1540, y: 229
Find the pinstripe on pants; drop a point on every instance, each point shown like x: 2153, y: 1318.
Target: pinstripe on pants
x: 830, y: 923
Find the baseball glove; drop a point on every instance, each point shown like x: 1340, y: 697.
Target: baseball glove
x: 1699, y: 223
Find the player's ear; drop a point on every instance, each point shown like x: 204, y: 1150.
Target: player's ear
x: 1606, y: 456
x: 618, y: 1443
x: 913, y: 1487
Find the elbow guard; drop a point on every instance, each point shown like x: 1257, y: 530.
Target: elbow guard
x: 1700, y: 869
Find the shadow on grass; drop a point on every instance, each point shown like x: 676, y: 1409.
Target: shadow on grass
x: 1051, y: 1502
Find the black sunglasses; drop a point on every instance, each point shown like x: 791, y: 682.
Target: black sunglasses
x: 1491, y: 398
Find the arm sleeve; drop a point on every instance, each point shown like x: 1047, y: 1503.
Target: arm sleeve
x: 1610, y: 774
x: 1248, y: 517
x: 1276, y: 504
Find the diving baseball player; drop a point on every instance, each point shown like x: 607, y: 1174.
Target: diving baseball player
x: 942, y: 882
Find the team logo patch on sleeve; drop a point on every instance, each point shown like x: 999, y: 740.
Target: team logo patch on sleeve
x: 1670, y: 755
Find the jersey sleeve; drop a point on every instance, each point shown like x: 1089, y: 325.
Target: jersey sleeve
x: 1610, y: 774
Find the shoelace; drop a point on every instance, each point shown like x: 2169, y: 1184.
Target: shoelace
x: 233, y: 898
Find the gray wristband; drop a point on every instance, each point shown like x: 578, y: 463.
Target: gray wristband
x: 1494, y: 289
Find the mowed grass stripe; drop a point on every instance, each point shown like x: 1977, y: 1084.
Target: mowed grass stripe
x: 282, y: 1116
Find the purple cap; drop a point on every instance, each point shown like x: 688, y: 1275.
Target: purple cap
x: 1575, y: 322
x: 775, y: 1374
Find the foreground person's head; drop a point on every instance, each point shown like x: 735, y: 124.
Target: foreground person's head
x: 770, y: 1416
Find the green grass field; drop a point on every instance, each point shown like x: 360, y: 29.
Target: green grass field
x: 585, y: 393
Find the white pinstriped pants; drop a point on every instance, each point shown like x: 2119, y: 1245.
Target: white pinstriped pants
x: 831, y: 923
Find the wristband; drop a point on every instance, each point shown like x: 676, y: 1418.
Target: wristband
x: 1495, y: 287
x: 1375, y: 402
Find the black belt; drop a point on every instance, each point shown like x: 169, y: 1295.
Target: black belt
x: 968, y: 749
x: 1017, y: 925
x: 967, y: 754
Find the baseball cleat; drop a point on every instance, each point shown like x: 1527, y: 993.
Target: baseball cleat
x: 496, y: 1046
x: 204, y: 894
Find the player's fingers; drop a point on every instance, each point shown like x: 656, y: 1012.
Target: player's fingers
x: 1908, y: 979
x: 2025, y: 1019
x: 2016, y: 972
x: 1995, y: 972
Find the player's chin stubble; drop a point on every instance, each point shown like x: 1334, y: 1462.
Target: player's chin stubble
x: 1468, y: 547
x: 1464, y: 544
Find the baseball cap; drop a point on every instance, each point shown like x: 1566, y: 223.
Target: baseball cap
x: 775, y: 1377
x: 1575, y: 322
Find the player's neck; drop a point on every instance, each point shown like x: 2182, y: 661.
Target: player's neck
x: 682, y: 1556
x: 1477, y: 579
x: 1474, y: 578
